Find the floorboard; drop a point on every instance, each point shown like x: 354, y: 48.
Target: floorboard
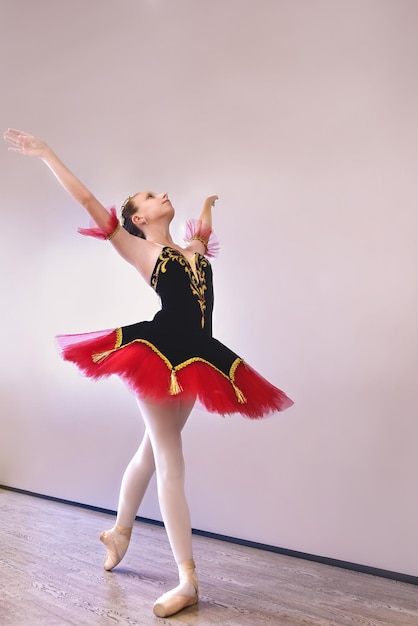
x: 51, y: 574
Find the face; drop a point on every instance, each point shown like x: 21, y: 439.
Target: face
x: 152, y: 206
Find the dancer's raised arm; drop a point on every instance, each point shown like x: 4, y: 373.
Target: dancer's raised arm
x: 199, y: 231
x: 133, y: 249
x: 26, y: 144
x: 206, y: 212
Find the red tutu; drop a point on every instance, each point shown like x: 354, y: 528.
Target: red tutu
x: 150, y: 375
x: 175, y: 354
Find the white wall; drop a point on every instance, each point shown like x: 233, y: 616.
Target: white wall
x: 301, y: 115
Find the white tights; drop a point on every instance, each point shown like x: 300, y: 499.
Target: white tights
x: 161, y: 451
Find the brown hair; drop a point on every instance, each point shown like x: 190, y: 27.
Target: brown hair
x: 127, y: 211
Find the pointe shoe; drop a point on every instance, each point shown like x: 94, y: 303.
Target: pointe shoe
x: 184, y: 595
x: 116, y: 541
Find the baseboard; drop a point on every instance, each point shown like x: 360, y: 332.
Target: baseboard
x: 356, y: 567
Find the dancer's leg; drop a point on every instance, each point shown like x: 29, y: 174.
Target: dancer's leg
x: 164, y: 423
x: 135, y: 482
x: 134, y: 485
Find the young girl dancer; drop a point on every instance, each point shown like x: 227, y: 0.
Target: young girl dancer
x: 169, y: 362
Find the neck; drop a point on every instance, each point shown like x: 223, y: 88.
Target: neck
x: 160, y: 235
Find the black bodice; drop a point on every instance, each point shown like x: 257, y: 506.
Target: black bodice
x: 182, y: 330
x: 186, y: 293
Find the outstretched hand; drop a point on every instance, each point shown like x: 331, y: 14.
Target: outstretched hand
x: 211, y: 200
x: 23, y: 143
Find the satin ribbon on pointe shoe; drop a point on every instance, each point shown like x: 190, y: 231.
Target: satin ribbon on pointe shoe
x: 176, y: 600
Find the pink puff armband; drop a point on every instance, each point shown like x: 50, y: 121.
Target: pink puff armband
x: 196, y: 229
x: 112, y: 227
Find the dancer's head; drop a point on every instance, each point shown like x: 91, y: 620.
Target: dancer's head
x: 144, y: 208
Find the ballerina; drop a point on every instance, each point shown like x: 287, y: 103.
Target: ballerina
x: 169, y: 362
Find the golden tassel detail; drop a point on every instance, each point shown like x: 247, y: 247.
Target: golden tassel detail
x: 101, y: 356
x: 240, y: 396
x: 175, y: 387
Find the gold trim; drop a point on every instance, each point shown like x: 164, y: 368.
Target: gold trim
x: 97, y: 358
x: 175, y: 386
x: 233, y: 367
x: 231, y: 378
x: 204, y: 241
x: 101, y: 356
x: 113, y: 233
x: 119, y: 337
x: 197, y: 278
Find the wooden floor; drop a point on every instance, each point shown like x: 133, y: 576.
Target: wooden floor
x: 51, y: 573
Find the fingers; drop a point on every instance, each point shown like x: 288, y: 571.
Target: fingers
x: 20, y: 141
x: 11, y: 140
x: 12, y: 135
x: 15, y: 131
x: 15, y: 143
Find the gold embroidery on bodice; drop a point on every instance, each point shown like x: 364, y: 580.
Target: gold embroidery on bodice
x: 196, y: 274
